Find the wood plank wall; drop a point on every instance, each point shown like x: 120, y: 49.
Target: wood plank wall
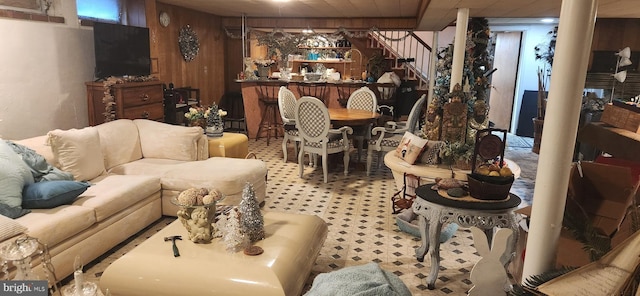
x: 208, y: 70
x: 614, y: 35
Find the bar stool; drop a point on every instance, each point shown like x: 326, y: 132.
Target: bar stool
x: 268, y: 95
x: 232, y: 102
x: 345, y: 89
x: 313, y: 89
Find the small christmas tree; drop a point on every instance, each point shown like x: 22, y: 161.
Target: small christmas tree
x: 234, y: 238
x: 251, y: 217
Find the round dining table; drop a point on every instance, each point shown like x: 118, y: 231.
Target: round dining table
x: 352, y: 117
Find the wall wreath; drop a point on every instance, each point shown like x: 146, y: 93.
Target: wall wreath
x: 188, y: 42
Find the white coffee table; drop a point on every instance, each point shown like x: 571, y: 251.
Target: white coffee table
x: 291, y: 246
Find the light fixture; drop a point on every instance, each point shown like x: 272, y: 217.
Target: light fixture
x: 547, y: 20
x: 624, y: 56
x: 308, y: 30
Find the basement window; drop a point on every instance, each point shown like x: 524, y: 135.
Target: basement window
x: 100, y: 10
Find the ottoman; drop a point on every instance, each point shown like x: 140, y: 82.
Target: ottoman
x: 229, y: 145
x: 291, y: 245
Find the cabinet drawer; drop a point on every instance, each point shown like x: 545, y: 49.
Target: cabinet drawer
x: 136, y: 96
x: 150, y: 111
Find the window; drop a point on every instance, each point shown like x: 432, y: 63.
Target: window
x: 99, y: 10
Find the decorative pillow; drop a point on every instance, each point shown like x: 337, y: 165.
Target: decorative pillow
x: 10, y: 228
x: 430, y: 153
x: 77, y: 151
x: 161, y: 140
x: 14, y: 174
x: 50, y: 194
x: 410, y: 147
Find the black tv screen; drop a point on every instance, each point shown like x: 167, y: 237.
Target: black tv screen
x: 121, y: 50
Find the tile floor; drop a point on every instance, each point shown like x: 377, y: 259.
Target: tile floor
x: 362, y: 227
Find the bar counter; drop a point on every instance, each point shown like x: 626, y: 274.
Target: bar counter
x: 253, y: 108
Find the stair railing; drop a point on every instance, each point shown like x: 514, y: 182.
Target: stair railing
x: 403, y: 45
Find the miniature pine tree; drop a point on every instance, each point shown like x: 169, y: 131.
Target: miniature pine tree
x: 251, y: 217
x: 233, y: 238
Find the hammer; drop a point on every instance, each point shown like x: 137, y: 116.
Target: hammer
x: 173, y: 239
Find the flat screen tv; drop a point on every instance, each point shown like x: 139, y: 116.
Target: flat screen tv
x: 121, y: 50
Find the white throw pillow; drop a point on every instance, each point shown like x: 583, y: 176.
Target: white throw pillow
x: 77, y: 151
x: 166, y: 141
x: 14, y: 175
x: 10, y: 228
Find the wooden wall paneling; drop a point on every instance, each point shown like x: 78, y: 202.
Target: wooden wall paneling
x: 233, y: 63
x: 207, y: 71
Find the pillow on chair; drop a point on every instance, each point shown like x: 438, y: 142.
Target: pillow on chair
x: 410, y: 147
x: 430, y: 153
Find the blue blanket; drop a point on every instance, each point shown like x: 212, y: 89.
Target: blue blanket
x: 40, y: 168
x: 363, y: 280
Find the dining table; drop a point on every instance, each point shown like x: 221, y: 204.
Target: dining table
x: 352, y: 117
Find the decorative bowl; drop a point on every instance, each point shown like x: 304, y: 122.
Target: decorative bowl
x: 198, y: 219
x: 313, y: 76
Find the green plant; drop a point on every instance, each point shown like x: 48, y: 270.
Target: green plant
x: 453, y: 152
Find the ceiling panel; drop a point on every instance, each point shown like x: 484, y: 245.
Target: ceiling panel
x: 438, y: 15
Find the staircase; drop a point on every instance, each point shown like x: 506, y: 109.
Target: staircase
x: 407, y: 54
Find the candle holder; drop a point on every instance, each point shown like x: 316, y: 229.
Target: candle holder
x: 19, y: 253
x: 80, y: 287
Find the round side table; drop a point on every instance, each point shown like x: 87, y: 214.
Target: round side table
x: 434, y: 210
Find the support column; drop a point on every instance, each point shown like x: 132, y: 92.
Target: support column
x: 575, y: 33
x: 433, y: 59
x: 459, y: 45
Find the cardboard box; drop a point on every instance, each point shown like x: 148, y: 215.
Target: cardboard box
x: 621, y: 117
x: 605, y: 193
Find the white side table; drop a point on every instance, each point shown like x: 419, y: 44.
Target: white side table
x: 434, y: 210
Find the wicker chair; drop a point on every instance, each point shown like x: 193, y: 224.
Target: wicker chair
x: 314, y: 126
x: 387, y: 138
x: 362, y: 99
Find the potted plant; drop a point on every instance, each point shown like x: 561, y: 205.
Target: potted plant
x: 545, y: 53
x: 457, y: 154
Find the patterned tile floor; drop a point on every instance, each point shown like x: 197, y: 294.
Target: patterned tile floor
x: 362, y: 227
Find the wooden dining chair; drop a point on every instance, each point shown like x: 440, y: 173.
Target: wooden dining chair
x: 268, y: 96
x: 317, y: 136
x: 362, y: 99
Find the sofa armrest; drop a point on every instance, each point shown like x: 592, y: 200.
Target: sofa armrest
x: 202, y: 147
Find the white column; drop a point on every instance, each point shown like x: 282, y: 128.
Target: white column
x: 575, y: 32
x: 433, y: 59
x: 459, y: 45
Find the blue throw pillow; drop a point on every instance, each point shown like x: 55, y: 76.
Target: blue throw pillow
x: 50, y: 194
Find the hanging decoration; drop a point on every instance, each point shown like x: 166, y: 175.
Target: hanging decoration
x: 188, y: 42
x: 109, y: 100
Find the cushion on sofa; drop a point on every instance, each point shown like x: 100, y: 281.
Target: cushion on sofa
x: 50, y: 194
x: 14, y: 175
x: 52, y: 226
x: 78, y: 151
x: 161, y: 140
x: 115, y: 192
x: 119, y: 141
x: 10, y: 228
x: 40, y: 145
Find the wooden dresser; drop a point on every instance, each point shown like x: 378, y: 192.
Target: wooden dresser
x: 133, y: 100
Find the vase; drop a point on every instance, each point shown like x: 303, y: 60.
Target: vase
x: 214, y: 131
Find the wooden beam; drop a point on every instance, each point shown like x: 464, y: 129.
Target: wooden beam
x: 324, y: 23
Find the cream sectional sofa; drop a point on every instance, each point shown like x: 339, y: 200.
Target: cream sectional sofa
x: 135, y: 168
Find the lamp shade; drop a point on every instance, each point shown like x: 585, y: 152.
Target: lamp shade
x: 625, y: 52
x: 620, y: 76
x: 624, y: 62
